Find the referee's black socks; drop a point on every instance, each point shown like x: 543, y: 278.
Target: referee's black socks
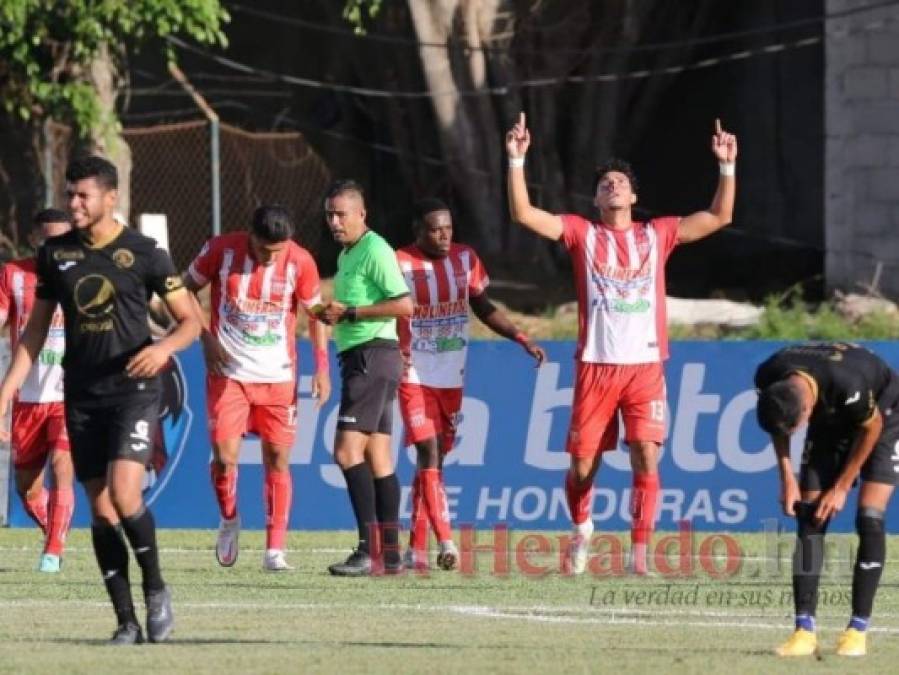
x: 112, y: 558
x: 140, y: 529
x: 387, y: 508
x: 360, y: 485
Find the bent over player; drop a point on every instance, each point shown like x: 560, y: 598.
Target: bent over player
x: 850, y: 399
x: 619, y: 273
x: 102, y: 274
x: 444, y: 280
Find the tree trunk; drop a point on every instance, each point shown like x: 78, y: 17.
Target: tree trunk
x: 466, y: 126
x: 106, y: 138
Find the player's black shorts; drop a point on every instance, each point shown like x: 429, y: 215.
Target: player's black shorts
x: 102, y: 432
x: 370, y: 375
x: 827, y: 449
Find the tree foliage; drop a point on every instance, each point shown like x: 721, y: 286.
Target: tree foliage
x: 47, y: 47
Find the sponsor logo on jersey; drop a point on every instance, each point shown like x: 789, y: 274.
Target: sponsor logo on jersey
x: 94, y: 296
x: 95, y: 301
x: 68, y: 254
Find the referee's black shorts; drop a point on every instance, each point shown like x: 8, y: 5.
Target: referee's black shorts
x: 370, y: 375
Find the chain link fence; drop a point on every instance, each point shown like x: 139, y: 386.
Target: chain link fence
x: 171, y: 174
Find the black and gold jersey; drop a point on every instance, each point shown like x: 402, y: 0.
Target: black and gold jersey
x: 851, y: 380
x: 104, y: 293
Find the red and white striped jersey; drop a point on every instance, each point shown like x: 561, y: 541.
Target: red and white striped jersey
x: 435, y: 338
x: 620, y: 282
x: 17, y: 284
x: 254, y: 307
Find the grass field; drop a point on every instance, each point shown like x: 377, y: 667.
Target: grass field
x: 244, y: 620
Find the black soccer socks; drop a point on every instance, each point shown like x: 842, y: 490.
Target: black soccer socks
x: 140, y: 529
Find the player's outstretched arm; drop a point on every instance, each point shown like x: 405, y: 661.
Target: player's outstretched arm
x: 26, y: 353
x: 546, y: 224
x: 720, y: 213
x: 496, y: 320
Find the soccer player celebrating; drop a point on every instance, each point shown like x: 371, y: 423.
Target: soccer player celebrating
x: 38, y: 415
x: 619, y: 267
x: 260, y: 278
x: 370, y: 294
x: 444, y: 279
x: 102, y: 275
x: 850, y: 400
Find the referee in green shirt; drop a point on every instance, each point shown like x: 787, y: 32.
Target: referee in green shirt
x: 370, y: 294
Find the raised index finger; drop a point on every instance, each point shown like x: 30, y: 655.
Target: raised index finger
x: 717, y: 126
x: 521, y: 118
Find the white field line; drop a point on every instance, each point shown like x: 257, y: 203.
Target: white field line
x: 535, y: 613
x: 532, y: 557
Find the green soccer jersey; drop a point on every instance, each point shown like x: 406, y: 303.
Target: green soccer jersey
x: 367, y: 273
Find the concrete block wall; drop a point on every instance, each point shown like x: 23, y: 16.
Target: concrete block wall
x: 862, y: 147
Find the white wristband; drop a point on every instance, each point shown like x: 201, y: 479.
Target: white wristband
x: 516, y: 162
x: 727, y: 168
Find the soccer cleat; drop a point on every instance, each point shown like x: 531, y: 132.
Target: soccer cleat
x: 226, y: 548
x: 127, y: 634
x: 357, y: 565
x: 274, y: 561
x: 801, y: 643
x: 577, y: 554
x: 160, y: 620
x: 852, y: 642
x: 416, y: 561
x: 633, y: 568
x: 448, y: 556
x: 393, y: 565
x: 49, y: 563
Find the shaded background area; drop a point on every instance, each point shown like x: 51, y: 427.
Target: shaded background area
x: 638, y: 101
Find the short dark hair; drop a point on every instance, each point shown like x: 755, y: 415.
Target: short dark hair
x: 425, y: 206
x: 343, y: 185
x: 92, y: 166
x: 779, y: 407
x: 272, y: 223
x: 618, y: 165
x: 51, y: 216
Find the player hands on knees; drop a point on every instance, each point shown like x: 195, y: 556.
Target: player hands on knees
x: 444, y: 280
x: 260, y: 281
x: 848, y: 397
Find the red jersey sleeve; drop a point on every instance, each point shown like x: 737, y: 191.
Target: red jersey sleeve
x: 574, y: 228
x: 203, y: 267
x: 307, y: 290
x: 666, y: 229
x: 4, y: 294
x: 478, y: 280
